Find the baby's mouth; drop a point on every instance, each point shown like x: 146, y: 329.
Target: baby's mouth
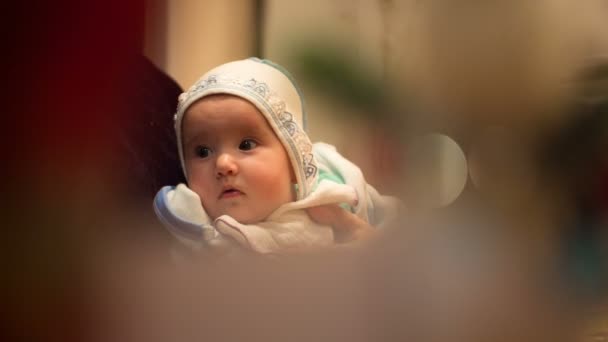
x: 230, y: 192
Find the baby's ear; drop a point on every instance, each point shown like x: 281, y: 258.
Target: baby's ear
x: 294, y: 189
x: 294, y: 183
x: 292, y: 176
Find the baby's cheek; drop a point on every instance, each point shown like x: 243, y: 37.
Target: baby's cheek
x: 201, y: 190
x: 283, y: 190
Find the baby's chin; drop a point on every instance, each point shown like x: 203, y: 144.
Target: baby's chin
x: 244, y: 217
x: 244, y: 213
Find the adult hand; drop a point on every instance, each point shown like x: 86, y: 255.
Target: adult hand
x: 346, y: 225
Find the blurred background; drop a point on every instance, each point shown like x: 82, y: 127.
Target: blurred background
x: 488, y: 118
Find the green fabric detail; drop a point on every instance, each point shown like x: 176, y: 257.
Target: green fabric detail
x: 336, y: 178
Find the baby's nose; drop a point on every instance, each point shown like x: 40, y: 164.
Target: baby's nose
x: 226, y: 165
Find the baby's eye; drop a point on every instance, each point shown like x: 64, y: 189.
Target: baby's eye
x: 202, y: 151
x: 247, y: 145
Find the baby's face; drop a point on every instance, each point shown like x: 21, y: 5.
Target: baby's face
x: 234, y: 160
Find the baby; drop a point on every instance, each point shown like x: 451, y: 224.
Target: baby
x: 251, y: 169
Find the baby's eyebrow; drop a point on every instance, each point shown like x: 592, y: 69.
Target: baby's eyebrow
x: 255, y: 131
x: 259, y: 135
x: 200, y: 137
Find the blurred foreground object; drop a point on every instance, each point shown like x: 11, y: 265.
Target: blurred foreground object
x: 519, y: 257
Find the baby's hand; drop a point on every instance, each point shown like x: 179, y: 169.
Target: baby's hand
x: 346, y: 225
